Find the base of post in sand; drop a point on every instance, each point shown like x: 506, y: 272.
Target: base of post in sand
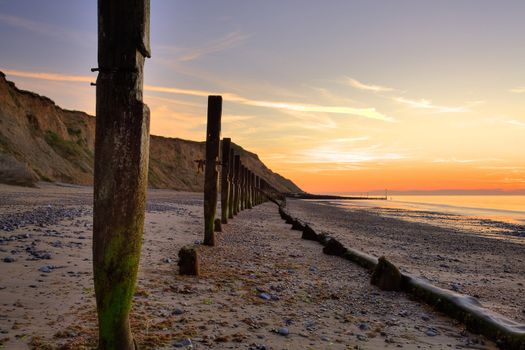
x: 217, y: 225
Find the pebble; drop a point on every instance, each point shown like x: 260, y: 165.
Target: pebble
x: 45, y: 269
x: 404, y: 313
x: 364, y: 326
x: 183, y: 343
x: 265, y: 296
x: 425, y: 317
x: 9, y: 259
x: 178, y: 311
x: 431, y: 332
x: 310, y: 326
x: 283, y: 331
x: 455, y: 287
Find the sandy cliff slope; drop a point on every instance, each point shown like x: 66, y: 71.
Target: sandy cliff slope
x: 41, y: 141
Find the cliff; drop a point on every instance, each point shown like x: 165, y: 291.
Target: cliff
x: 39, y: 141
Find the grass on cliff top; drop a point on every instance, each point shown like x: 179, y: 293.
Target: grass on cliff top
x: 65, y: 148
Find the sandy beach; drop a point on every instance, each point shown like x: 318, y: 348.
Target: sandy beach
x: 491, y: 268
x: 261, y: 287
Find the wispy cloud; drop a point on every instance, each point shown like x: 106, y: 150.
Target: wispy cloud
x: 518, y: 90
x: 182, y: 54
x: 369, y: 87
x: 48, y: 30
x: 517, y: 123
x: 370, y: 113
x: 337, y: 152
x: 503, y: 168
x: 464, y: 161
x: 428, y: 105
x: 48, y: 76
x: 236, y: 118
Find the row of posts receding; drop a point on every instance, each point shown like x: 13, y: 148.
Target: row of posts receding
x: 240, y: 186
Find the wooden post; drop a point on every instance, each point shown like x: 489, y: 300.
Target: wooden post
x: 231, y: 191
x: 245, y: 188
x: 121, y: 165
x: 225, y: 183
x: 213, y: 137
x: 249, y: 190
x: 237, y: 193
x: 264, y: 189
x: 259, y: 190
x: 254, y: 195
x: 242, y: 182
x: 256, y: 189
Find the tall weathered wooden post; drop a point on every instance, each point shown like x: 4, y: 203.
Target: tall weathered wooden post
x: 237, y: 180
x: 249, y: 190
x: 231, y: 195
x: 242, y: 184
x: 225, y: 181
x: 213, y: 137
x: 121, y: 164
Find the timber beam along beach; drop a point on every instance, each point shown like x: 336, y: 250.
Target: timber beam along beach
x: 225, y: 186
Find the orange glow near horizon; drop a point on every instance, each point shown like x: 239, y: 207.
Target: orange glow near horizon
x: 409, y: 177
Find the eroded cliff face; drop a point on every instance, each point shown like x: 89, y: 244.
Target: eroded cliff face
x: 39, y: 141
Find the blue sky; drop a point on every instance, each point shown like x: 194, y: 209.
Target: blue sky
x: 326, y: 92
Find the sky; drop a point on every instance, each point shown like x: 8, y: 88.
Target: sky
x: 339, y: 96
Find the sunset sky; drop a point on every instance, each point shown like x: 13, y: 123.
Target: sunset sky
x: 339, y: 96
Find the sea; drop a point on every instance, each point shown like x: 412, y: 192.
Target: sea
x: 497, y: 216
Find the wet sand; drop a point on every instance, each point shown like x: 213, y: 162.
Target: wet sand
x: 491, y: 268
x: 260, y: 282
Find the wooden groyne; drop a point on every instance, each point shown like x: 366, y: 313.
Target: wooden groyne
x: 507, y: 333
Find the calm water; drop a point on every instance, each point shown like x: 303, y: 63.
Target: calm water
x: 480, y: 214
